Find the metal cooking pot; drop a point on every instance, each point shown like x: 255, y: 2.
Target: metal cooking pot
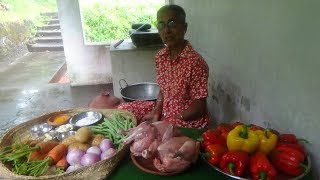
x: 146, y: 91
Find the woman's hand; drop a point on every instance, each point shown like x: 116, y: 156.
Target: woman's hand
x: 155, y: 114
x: 152, y: 116
x: 178, y: 116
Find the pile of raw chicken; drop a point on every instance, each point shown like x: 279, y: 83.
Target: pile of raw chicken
x: 161, y: 141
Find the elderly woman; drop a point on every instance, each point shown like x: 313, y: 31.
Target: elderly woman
x: 182, y: 75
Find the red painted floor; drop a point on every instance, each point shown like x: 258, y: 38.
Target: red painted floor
x: 64, y: 78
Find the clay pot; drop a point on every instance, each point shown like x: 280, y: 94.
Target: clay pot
x: 105, y: 101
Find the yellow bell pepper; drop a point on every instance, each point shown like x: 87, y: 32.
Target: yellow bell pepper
x: 267, y: 139
x: 242, y: 139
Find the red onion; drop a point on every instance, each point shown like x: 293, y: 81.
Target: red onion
x: 89, y: 159
x: 105, y: 144
x: 73, y: 168
x: 108, y: 153
x: 74, y: 156
x: 94, y: 150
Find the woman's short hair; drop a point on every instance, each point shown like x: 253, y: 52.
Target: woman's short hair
x: 178, y: 10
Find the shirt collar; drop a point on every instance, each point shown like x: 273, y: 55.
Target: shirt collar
x: 184, y: 53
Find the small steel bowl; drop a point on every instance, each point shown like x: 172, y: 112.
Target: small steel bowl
x: 64, y: 119
x: 85, y: 118
x: 40, y: 129
x: 62, y: 136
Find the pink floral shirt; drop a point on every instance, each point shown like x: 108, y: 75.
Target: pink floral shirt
x: 181, y: 81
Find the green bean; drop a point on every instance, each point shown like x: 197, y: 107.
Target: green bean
x: 126, y: 124
x: 111, y: 135
x: 96, y: 127
x: 120, y: 140
x: 106, y: 119
x: 112, y: 126
x: 120, y: 123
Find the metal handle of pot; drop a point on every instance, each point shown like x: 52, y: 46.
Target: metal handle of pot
x: 121, y: 85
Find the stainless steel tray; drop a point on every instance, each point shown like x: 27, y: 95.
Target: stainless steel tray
x: 280, y: 176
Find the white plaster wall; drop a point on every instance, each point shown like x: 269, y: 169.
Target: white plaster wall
x: 264, y: 62
x: 134, y: 65
x: 87, y: 65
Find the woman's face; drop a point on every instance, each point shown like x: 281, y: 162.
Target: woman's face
x: 171, y: 29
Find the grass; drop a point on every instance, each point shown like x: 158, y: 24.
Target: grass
x: 107, y: 20
x: 22, y: 10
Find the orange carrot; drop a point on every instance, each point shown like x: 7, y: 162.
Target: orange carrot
x: 62, y: 163
x: 34, y: 155
x: 45, y: 147
x: 57, y: 153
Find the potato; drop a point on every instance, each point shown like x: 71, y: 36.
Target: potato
x: 83, y: 134
x: 69, y: 140
x: 77, y: 145
x: 96, y: 140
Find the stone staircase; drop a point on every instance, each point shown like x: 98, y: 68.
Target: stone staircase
x: 48, y: 37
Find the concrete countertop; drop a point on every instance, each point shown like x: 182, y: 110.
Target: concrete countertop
x: 127, y: 45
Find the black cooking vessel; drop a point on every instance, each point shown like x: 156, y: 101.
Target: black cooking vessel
x: 145, y: 91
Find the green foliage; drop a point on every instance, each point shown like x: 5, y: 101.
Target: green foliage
x: 20, y: 10
x: 19, y: 23
x: 15, y: 32
x: 105, y: 21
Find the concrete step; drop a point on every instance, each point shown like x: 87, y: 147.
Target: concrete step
x: 48, y: 33
x: 53, y: 21
x: 41, y: 47
x: 50, y: 27
x: 50, y: 14
x: 48, y: 39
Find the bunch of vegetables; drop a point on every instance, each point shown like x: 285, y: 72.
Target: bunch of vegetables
x: 110, y: 127
x: 88, y: 146
x: 34, y: 160
x: 240, y: 149
x: 97, y: 142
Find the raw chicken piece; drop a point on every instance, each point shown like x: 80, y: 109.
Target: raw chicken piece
x: 176, y: 154
x: 136, y: 133
x: 145, y: 140
x: 162, y: 142
x: 168, y: 164
x: 140, y: 145
x: 162, y: 128
x: 151, y: 151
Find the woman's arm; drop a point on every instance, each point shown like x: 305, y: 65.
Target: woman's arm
x: 195, y: 110
x: 159, y: 104
x: 156, y: 113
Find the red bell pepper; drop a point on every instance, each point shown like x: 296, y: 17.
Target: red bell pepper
x: 289, y: 138
x: 261, y: 168
x: 214, y: 152
x: 234, y: 162
x: 288, y: 160
x: 211, y: 136
x: 224, y: 129
x: 296, y: 146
